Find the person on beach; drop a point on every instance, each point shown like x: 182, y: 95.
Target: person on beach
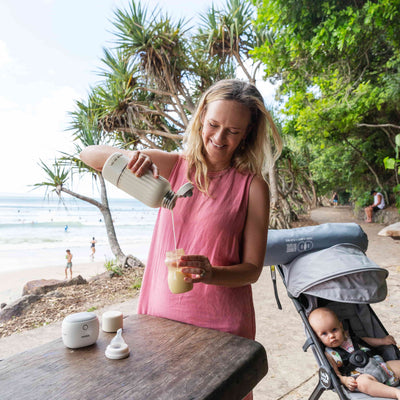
x: 335, y: 199
x: 69, y: 264
x: 378, y: 204
x: 93, y: 246
x: 376, y: 378
x: 223, y: 227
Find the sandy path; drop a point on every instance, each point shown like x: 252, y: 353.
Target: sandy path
x: 292, y: 373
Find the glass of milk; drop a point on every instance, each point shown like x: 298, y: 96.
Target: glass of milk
x: 176, y: 282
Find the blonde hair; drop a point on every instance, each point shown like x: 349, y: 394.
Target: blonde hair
x: 256, y: 150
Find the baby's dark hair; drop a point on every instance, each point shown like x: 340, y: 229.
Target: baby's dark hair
x: 68, y: 250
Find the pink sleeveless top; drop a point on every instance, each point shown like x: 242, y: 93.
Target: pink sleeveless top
x: 211, y: 226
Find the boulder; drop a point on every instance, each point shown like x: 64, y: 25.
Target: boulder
x: 42, y: 286
x: 17, y: 307
x: 392, y: 230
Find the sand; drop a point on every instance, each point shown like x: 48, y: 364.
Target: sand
x: 12, y: 282
x: 292, y: 373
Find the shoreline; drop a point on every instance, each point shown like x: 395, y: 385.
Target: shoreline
x: 12, y: 282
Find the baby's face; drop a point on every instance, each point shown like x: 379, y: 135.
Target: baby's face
x: 329, y: 330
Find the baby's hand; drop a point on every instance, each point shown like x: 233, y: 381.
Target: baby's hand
x: 350, y: 383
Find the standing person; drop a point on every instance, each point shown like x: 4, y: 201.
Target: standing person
x: 377, y: 377
x: 335, y: 199
x: 223, y: 227
x: 378, y: 204
x: 93, y: 246
x: 69, y: 264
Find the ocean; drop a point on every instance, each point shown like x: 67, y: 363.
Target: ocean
x: 36, y: 231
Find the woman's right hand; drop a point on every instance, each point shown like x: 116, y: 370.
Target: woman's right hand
x: 140, y: 163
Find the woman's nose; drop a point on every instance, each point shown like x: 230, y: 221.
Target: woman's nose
x: 219, y: 134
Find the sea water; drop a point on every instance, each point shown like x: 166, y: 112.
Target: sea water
x: 35, y: 231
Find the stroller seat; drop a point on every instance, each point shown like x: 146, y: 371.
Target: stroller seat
x: 331, y: 271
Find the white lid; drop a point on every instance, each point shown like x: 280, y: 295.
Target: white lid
x: 80, y: 317
x: 117, y: 351
x: 112, y: 314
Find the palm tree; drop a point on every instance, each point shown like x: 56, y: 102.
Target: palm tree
x: 229, y: 36
x: 58, y: 175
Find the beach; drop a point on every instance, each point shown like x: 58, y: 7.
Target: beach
x: 292, y: 373
x: 35, y: 233
x: 12, y: 282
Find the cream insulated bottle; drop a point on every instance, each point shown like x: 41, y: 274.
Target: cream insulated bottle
x: 153, y: 192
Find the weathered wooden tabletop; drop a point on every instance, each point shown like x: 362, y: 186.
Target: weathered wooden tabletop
x: 168, y: 360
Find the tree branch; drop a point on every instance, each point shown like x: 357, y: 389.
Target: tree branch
x: 379, y: 126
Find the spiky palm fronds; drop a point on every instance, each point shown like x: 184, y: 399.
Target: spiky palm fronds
x: 157, y: 44
x: 228, y: 32
x: 57, y: 176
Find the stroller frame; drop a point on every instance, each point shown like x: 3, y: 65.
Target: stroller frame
x: 326, y: 265
x: 327, y: 378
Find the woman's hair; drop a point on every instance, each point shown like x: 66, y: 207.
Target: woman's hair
x: 254, y: 153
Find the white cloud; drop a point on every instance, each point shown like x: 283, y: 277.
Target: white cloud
x: 31, y: 133
x: 5, y: 57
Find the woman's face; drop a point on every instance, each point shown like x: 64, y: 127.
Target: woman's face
x: 224, y: 126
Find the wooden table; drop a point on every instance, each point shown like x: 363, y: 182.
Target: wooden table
x: 168, y: 360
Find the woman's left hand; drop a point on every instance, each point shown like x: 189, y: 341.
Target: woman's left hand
x: 199, y: 267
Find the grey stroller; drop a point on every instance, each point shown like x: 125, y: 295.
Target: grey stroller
x: 325, y: 266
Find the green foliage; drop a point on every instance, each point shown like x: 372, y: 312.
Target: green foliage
x: 137, y: 284
x: 114, y: 267
x: 394, y: 163
x: 339, y: 67
x: 91, y: 309
x: 396, y: 191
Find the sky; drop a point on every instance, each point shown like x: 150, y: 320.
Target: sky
x: 50, y: 53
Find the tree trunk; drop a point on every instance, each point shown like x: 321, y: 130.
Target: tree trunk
x: 122, y: 259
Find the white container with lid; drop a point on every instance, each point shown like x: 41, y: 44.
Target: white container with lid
x: 111, y: 321
x: 80, y: 329
x: 153, y: 192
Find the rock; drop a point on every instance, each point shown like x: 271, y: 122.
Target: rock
x: 42, y: 286
x: 17, y: 307
x: 388, y: 215
x: 392, y: 230
x: 2, y: 305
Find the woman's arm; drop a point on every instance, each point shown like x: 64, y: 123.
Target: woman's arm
x: 158, y: 161
x: 254, y: 246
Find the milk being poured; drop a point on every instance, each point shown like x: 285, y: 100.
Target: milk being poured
x: 154, y: 193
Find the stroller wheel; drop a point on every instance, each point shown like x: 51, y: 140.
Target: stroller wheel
x: 325, y: 377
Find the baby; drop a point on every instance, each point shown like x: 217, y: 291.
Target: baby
x: 371, y: 374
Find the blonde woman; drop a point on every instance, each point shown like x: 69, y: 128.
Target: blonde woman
x: 223, y: 227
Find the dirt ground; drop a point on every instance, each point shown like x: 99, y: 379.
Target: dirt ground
x: 292, y: 373
x: 385, y: 251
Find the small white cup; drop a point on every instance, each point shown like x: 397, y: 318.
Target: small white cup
x: 112, y: 321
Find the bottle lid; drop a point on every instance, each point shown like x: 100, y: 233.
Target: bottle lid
x: 169, y: 200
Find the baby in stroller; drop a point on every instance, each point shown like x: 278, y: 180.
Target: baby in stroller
x: 355, y: 364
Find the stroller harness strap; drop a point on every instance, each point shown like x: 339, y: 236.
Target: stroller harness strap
x: 356, y: 359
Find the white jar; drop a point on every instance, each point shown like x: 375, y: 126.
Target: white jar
x: 80, y: 329
x: 153, y: 192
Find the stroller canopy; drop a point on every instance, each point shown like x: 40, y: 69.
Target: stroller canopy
x: 284, y: 245
x: 340, y: 273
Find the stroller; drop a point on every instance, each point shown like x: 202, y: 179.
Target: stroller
x: 325, y: 266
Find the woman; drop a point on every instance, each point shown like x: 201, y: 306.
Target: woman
x: 223, y: 227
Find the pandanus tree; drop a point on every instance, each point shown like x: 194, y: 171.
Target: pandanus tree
x: 59, y: 174
x: 151, y: 81
x: 170, y: 69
